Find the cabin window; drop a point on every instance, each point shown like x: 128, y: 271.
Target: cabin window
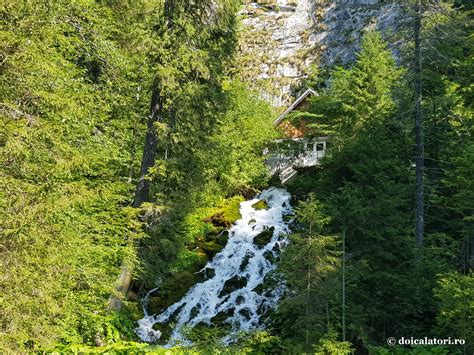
x: 319, y: 147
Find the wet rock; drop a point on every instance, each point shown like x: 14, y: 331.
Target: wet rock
x: 194, y: 312
x: 232, y: 284
x: 212, y: 233
x: 263, y: 238
x: 219, y: 220
x: 269, y: 256
x: 245, y: 262
x: 259, y: 289
x: 262, y: 309
x: 276, y: 248
x: 239, y: 300
x: 248, y: 192
x: 245, y: 313
x: 209, y: 273
x: 204, y: 274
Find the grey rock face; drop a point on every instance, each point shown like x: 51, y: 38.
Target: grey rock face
x: 281, y: 39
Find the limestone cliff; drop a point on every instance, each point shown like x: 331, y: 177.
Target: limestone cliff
x: 281, y: 39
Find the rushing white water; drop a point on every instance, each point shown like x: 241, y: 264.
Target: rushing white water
x: 238, y: 269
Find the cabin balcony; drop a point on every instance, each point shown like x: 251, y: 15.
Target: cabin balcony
x: 299, y: 153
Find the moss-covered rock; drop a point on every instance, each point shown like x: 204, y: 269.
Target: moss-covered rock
x: 227, y: 214
x: 200, y: 262
x: 172, y: 290
x: 211, y: 248
x: 165, y: 329
x: 263, y: 238
x: 222, y: 238
x: 260, y: 205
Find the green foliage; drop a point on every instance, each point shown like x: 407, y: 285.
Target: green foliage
x: 210, y: 165
x: 261, y: 342
x: 398, y: 350
x: 365, y: 184
x: 70, y: 124
x: 329, y: 345
x: 455, y: 292
x: 76, y: 84
x: 360, y: 95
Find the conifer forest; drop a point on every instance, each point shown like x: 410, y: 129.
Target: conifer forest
x: 236, y: 177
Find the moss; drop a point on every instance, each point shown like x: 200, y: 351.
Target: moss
x: 231, y: 210
x: 260, y: 205
x: 191, y: 259
x: 264, y: 237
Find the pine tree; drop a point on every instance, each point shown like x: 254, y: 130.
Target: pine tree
x: 310, y: 263
x: 360, y: 95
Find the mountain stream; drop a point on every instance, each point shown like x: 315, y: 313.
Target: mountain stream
x: 236, y: 275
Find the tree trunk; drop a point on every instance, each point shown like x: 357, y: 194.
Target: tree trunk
x: 419, y: 171
x: 123, y: 283
x: 344, y: 284
x: 143, y: 188
x: 149, y: 151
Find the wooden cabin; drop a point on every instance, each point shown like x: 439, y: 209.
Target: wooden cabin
x: 302, y: 152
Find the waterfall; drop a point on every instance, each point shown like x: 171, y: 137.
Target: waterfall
x: 236, y: 272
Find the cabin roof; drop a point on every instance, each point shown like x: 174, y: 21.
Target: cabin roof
x: 294, y: 105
